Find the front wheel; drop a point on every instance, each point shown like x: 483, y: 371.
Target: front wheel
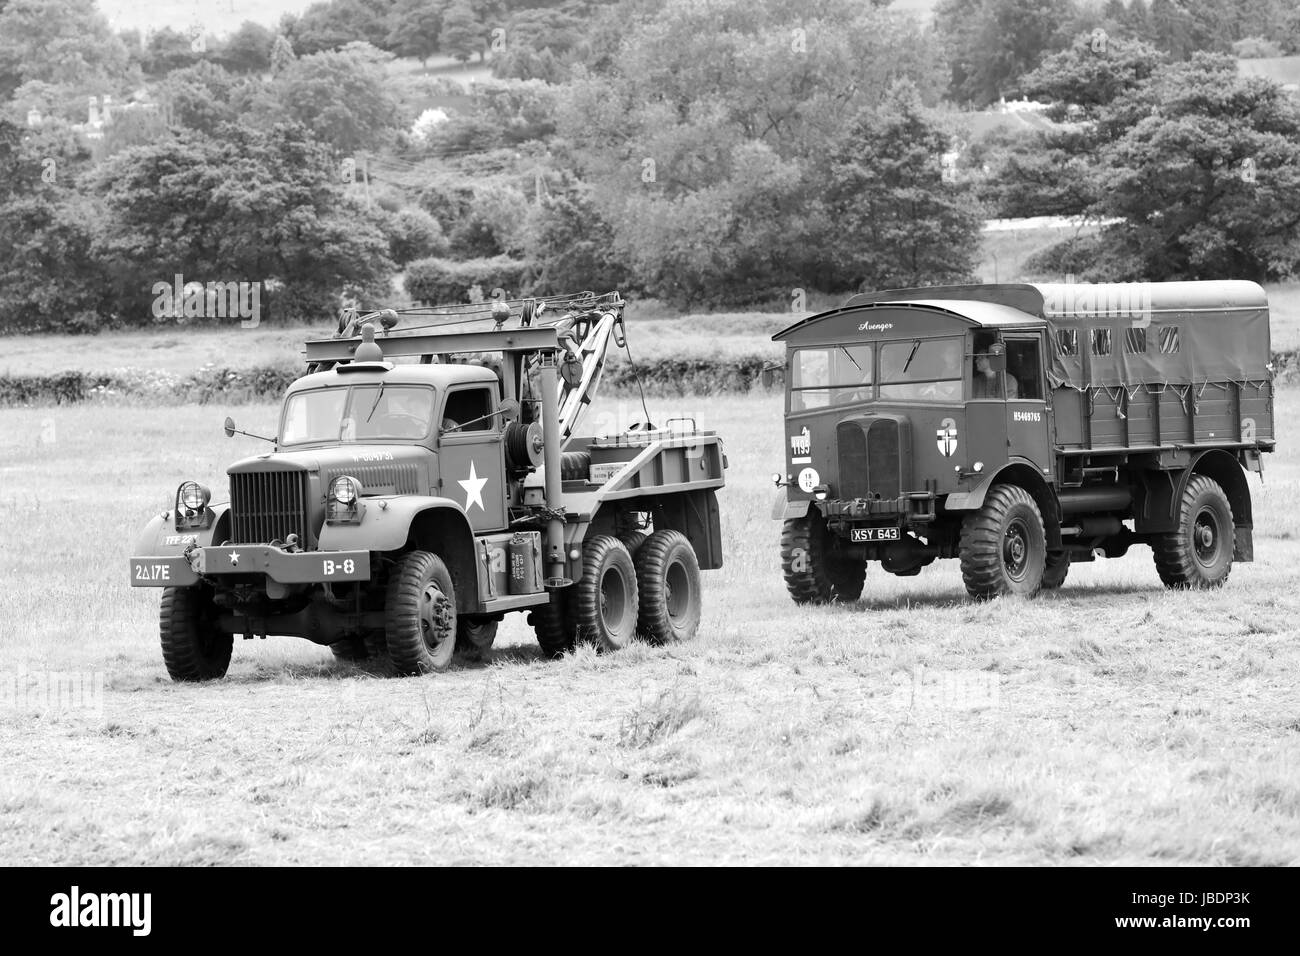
x: 420, y: 614
x: 1198, y: 554
x: 816, y: 573
x: 193, y: 647
x: 1003, y: 545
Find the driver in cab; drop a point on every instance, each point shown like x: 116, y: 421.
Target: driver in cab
x: 986, y: 380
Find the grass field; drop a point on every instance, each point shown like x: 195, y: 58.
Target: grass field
x: 1109, y: 722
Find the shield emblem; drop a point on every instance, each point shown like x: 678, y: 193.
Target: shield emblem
x: 947, y: 438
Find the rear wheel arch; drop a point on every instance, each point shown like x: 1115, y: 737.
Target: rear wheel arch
x: 1227, y: 472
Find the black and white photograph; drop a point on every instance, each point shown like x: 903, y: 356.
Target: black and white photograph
x: 651, y: 433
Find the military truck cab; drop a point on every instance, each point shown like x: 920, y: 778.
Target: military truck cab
x: 1020, y: 428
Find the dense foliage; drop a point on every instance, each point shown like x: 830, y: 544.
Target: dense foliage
x: 706, y: 152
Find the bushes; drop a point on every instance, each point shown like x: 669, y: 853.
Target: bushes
x: 414, y: 234
x: 206, y: 385
x: 434, y: 281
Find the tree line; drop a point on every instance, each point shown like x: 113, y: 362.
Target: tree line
x: 710, y: 154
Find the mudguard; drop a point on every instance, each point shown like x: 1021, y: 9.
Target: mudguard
x: 973, y: 500
x: 386, y: 523
x: 161, y: 537
x: 783, y: 510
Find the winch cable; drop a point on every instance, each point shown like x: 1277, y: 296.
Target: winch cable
x: 636, y: 374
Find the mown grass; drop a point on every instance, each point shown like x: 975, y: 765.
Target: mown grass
x: 1109, y: 722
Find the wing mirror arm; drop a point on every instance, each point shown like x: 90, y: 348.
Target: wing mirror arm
x: 232, y: 431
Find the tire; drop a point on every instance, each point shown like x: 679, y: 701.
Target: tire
x: 814, y: 573
x: 1056, y: 569
x: 1003, y: 546
x: 474, y: 638
x: 605, y: 603
x: 668, y: 588
x: 553, y: 624
x: 633, y: 541
x: 350, y: 649
x: 575, y: 466
x: 1199, y: 553
x: 192, y: 647
x: 420, y: 615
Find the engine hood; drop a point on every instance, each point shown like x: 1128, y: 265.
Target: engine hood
x: 381, y: 469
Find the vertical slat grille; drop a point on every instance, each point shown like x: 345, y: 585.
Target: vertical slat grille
x: 852, y: 445
x: 268, y: 506
x: 884, y: 458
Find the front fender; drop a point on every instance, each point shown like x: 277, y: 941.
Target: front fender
x: 386, y: 524
x: 784, y: 510
x: 161, y: 537
x: 1021, y: 472
x: 973, y: 500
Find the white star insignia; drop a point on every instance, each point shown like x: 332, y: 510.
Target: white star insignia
x: 234, y: 557
x: 473, y: 486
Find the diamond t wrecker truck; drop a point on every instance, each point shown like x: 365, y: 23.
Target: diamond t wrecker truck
x: 1019, y: 428
x: 408, y: 507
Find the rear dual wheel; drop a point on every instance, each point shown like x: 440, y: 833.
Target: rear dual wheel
x: 668, y: 587
x: 657, y: 595
x: 605, y: 599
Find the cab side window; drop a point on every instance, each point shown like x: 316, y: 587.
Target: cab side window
x: 1024, y: 368
x: 465, y: 406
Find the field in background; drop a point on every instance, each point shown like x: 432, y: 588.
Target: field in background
x: 1109, y: 722
x: 727, y: 335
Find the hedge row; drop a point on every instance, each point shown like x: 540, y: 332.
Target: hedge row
x: 690, y: 376
x: 267, y: 383
x: 206, y: 385
x: 445, y: 280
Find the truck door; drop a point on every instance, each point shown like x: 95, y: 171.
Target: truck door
x: 471, y: 458
x: 1027, y: 414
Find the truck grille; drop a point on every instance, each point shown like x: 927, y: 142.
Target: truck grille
x: 883, y: 456
x: 851, y: 441
x: 268, y: 505
x: 870, y: 459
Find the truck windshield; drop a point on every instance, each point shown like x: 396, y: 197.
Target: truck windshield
x: 360, y: 413
x: 921, y: 369
x: 833, y: 375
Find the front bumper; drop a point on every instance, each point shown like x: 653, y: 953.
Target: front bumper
x: 915, y: 507
x: 225, y: 561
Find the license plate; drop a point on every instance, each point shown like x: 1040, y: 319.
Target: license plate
x: 874, y: 534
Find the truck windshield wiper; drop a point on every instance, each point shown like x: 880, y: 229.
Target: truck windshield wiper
x: 916, y: 344
x: 851, y: 358
x: 376, y: 405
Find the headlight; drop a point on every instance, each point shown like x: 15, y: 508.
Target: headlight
x: 343, y: 506
x: 345, y: 490
x: 192, y: 505
x: 192, y: 496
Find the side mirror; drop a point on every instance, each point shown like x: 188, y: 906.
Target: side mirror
x: 998, y: 358
x: 509, y: 410
x: 230, y: 427
x: 767, y: 375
